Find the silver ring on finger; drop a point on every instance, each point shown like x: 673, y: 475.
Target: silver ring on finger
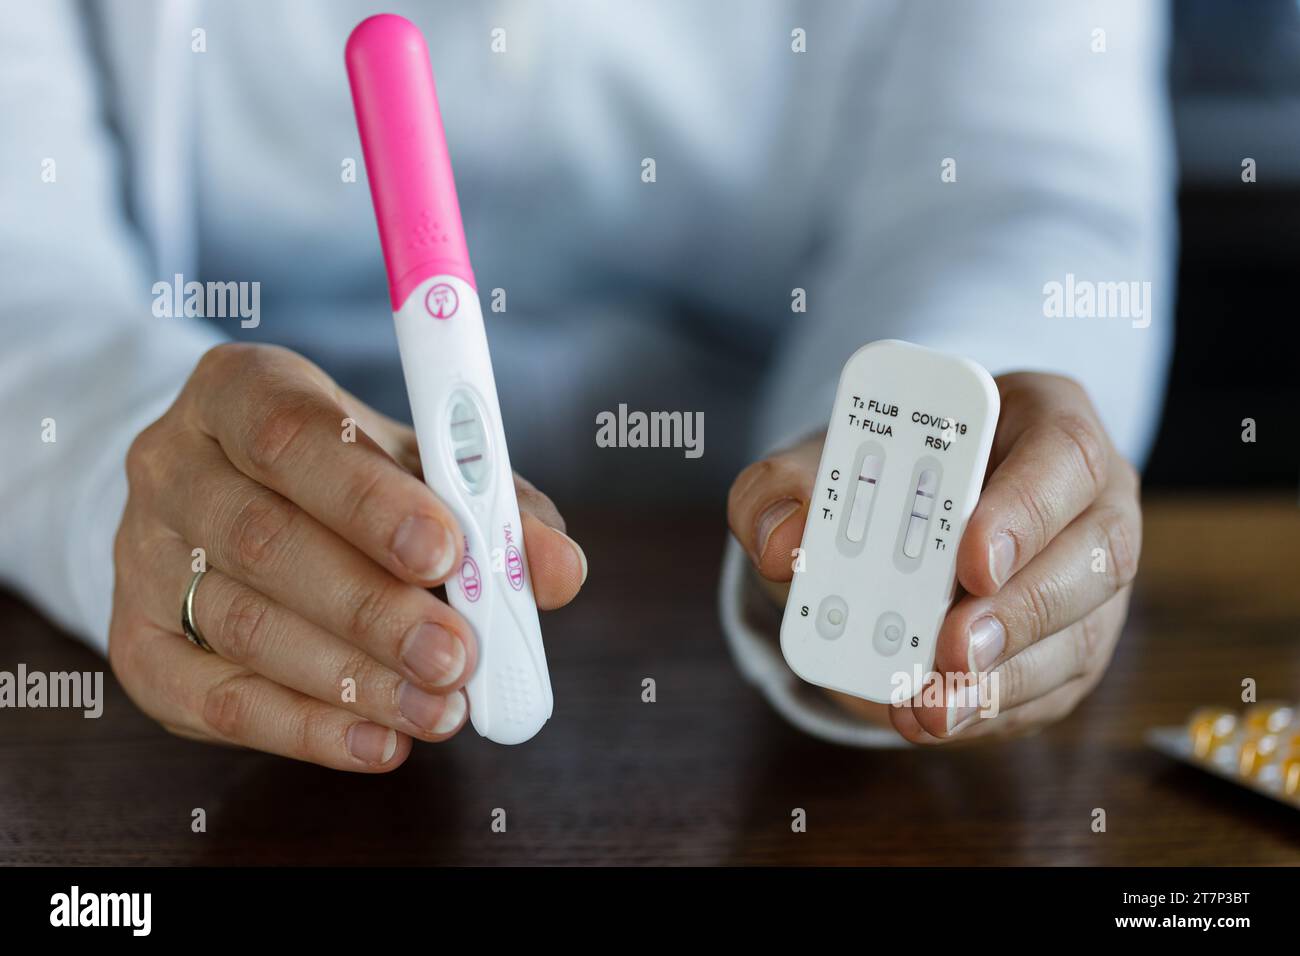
x: 188, y: 625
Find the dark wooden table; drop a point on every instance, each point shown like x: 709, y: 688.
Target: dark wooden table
x: 708, y: 774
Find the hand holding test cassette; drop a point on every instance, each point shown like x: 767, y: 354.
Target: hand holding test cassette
x: 897, y: 565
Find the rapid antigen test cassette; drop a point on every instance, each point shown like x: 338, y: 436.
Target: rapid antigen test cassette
x: 902, y: 467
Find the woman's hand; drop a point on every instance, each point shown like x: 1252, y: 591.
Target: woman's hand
x: 1046, y: 561
x: 320, y: 543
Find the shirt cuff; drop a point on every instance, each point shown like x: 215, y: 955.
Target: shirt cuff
x: 752, y: 625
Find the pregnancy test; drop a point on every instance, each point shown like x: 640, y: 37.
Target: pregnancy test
x: 901, y: 470
x: 448, y: 371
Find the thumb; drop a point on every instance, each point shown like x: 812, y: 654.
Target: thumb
x: 768, y: 506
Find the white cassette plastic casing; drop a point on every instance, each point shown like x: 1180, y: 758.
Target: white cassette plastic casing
x: 457, y: 421
x: 901, y: 470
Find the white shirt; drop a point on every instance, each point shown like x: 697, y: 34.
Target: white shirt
x: 775, y: 170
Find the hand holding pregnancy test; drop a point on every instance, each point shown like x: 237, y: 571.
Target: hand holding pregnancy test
x: 282, y: 526
x: 893, y: 567
x: 448, y: 372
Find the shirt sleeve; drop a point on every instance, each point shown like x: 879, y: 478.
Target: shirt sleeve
x: 1005, y: 148
x: 85, y: 364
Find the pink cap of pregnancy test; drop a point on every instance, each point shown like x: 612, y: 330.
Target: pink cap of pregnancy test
x: 406, y: 154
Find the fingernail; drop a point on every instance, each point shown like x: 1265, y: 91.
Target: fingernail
x: 437, y: 715
x: 770, y: 520
x: 1002, y: 558
x: 424, y: 546
x: 452, y: 714
x: 433, y: 654
x: 984, y: 643
x: 963, y: 703
x: 582, y: 557
x: 371, y: 743
x: 959, y: 717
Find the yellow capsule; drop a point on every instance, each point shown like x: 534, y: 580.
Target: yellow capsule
x: 1268, y: 717
x: 1209, y: 727
x: 1290, y: 743
x: 1255, y: 752
x: 1291, y: 776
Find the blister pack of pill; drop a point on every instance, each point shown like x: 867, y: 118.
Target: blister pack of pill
x: 1258, y: 747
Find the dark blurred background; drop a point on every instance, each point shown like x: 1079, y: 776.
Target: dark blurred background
x: 1236, y: 87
